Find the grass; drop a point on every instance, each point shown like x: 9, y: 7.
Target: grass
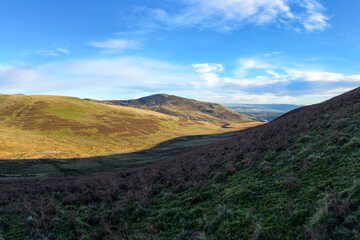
x: 110, y: 163
x: 279, y: 197
x: 34, y: 127
x: 284, y: 201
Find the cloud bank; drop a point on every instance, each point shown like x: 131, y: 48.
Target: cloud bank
x: 254, y: 72
x: 254, y: 80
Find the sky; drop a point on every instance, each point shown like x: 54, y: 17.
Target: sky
x: 228, y: 51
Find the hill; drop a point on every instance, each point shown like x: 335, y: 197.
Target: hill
x: 294, y: 178
x: 262, y: 112
x: 66, y: 127
x: 183, y: 107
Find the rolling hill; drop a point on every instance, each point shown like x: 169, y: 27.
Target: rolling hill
x: 67, y: 127
x: 183, y: 107
x: 297, y: 177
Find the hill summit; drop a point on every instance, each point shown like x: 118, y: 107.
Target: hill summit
x: 184, y: 107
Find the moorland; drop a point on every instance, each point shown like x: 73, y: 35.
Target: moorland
x: 296, y: 177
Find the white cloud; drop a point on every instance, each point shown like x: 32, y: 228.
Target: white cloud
x: 21, y: 79
x: 253, y: 73
x: 245, y: 64
x: 96, y: 76
x: 253, y: 82
x: 272, y: 53
x: 55, y: 53
x: 238, y: 96
x: 334, y: 91
x: 50, y: 53
x: 315, y: 20
x: 115, y: 45
x: 227, y: 15
x: 353, y: 78
x: 208, y: 67
x: 208, y: 70
x: 262, y: 98
x: 273, y: 73
x: 63, y: 50
x: 313, y: 76
x: 209, y: 73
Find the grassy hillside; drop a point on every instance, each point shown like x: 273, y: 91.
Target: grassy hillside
x: 262, y: 112
x: 10, y: 169
x: 65, y: 127
x: 186, y: 108
x: 294, y: 178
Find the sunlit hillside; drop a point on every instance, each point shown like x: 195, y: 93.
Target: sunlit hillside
x: 67, y: 127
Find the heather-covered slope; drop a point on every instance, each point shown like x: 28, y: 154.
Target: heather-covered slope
x: 186, y: 108
x: 66, y: 127
x: 294, y: 178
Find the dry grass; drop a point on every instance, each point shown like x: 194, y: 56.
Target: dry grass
x: 33, y: 127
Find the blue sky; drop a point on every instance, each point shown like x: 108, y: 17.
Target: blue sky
x: 229, y: 51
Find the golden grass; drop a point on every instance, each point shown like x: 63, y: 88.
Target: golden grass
x: 37, y: 127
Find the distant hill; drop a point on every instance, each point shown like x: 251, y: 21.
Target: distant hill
x: 67, y: 127
x: 262, y: 112
x: 184, y: 107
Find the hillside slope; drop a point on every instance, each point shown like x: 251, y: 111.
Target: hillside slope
x: 66, y: 127
x: 294, y: 178
x: 183, y: 107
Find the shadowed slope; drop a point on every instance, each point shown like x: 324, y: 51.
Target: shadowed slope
x: 58, y: 127
x: 186, y: 108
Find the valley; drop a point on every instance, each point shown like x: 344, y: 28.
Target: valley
x: 293, y: 178
x: 180, y: 120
